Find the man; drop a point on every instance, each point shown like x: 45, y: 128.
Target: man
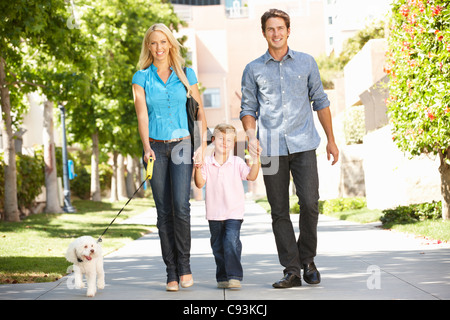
x: 277, y: 90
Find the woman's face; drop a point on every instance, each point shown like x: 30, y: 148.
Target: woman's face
x: 159, y: 46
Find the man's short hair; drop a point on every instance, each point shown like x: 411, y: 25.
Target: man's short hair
x: 275, y: 13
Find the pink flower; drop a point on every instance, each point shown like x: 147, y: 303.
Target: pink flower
x: 436, y: 10
x: 404, y: 10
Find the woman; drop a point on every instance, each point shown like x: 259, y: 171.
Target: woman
x: 160, y: 90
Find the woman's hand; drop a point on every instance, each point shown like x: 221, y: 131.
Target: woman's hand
x: 149, y: 153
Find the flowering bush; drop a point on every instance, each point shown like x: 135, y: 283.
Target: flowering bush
x: 418, y: 62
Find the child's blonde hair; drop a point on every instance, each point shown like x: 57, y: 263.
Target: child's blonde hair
x: 225, y: 128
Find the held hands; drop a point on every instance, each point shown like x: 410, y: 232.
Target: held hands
x: 254, y: 148
x: 198, y: 158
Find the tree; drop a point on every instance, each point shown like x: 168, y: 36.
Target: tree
x: 106, y: 116
x: 29, y: 29
x: 52, y: 200
x: 418, y: 62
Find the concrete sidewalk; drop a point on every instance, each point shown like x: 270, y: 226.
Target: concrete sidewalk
x: 356, y: 262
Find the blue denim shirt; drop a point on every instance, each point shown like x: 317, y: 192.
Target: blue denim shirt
x: 166, y: 102
x: 279, y: 95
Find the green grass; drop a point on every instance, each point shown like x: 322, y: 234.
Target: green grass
x: 433, y: 229
x: 363, y: 215
x: 33, y: 250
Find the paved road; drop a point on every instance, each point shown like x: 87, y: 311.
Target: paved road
x: 356, y: 261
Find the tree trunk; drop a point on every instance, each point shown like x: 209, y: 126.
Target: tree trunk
x: 95, y: 175
x: 51, y: 180
x: 11, y: 211
x: 444, y: 169
x: 121, y: 186
x: 138, y: 175
x: 114, y: 197
x: 129, y: 180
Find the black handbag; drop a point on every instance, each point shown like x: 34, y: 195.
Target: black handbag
x: 192, y: 113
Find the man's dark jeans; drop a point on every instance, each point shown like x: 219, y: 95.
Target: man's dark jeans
x: 303, y: 166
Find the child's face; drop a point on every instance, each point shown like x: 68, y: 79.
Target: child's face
x: 224, y: 142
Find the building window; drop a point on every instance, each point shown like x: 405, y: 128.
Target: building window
x: 330, y: 20
x: 211, y: 98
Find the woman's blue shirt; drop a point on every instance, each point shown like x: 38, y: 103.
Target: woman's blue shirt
x: 166, y: 102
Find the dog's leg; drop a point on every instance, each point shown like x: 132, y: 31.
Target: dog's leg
x: 100, y: 274
x: 78, y: 275
x: 91, y: 283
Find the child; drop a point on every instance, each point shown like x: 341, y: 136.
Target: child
x: 223, y: 174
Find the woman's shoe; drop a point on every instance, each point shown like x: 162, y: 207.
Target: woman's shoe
x: 187, y: 283
x: 172, y: 286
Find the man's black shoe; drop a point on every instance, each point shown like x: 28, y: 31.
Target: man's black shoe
x: 310, y: 273
x: 288, y: 281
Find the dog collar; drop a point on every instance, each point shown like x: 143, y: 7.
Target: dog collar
x: 78, y: 259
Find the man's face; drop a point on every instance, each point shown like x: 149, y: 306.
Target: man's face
x: 276, y: 33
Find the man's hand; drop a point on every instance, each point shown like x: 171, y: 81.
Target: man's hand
x: 333, y: 150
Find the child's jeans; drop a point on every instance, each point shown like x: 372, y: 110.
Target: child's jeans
x: 227, y: 248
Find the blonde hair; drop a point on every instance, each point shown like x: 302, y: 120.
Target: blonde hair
x: 225, y: 128
x: 176, y: 61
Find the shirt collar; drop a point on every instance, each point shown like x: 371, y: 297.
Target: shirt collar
x: 154, y: 68
x: 214, y: 161
x: 267, y: 56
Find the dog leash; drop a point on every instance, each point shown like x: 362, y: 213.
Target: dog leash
x: 148, y: 177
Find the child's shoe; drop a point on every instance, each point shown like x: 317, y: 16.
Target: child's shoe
x: 234, y: 284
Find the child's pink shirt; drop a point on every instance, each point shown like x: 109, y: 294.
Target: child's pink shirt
x: 225, y: 197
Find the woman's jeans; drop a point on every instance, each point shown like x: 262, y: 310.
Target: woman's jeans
x: 171, y: 186
x: 303, y: 167
x: 227, y: 248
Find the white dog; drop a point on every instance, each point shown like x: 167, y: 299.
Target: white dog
x: 86, y: 255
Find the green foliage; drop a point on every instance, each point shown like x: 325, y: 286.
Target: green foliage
x: 80, y: 186
x: 411, y: 214
x: 329, y: 69
x: 335, y: 205
x: 351, y: 46
x: 354, y: 125
x: 343, y: 204
x: 332, y: 66
x: 418, y: 62
x: 30, y: 179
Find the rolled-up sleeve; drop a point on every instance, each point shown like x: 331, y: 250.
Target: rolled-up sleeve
x: 317, y: 95
x: 249, y: 89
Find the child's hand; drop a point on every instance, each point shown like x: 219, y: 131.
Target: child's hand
x: 198, y: 158
x: 198, y: 165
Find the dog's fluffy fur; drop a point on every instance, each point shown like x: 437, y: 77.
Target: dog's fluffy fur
x: 86, y: 255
